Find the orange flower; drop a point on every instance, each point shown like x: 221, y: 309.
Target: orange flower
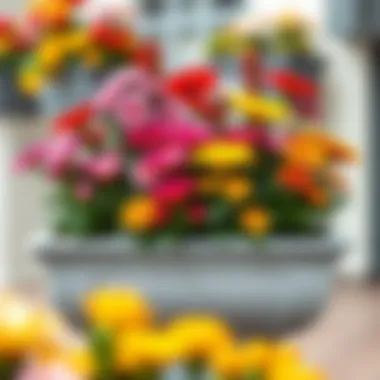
x: 238, y: 189
x: 295, y: 178
x: 307, y: 149
x: 256, y: 221
x: 139, y: 214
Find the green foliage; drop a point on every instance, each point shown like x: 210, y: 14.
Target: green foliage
x: 98, y: 215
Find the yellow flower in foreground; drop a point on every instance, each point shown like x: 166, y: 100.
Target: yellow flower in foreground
x: 287, y: 364
x: 257, y: 355
x: 31, y: 81
x: 116, y: 308
x: 237, y: 189
x: 148, y: 350
x: 139, y: 214
x: 18, y: 328
x: 228, y: 364
x: 224, y: 154
x: 201, y: 336
x: 80, y: 360
x: 261, y: 108
x: 256, y: 221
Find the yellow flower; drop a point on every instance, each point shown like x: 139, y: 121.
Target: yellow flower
x: 237, y: 189
x: 31, y: 81
x: 256, y: 221
x: 79, y: 359
x: 18, y: 327
x: 261, y: 108
x: 117, y: 309
x: 257, y: 355
x: 288, y: 364
x: 200, y: 336
x: 139, y: 214
x: 76, y: 41
x: 148, y: 350
x: 228, y: 363
x: 224, y: 154
x: 51, y: 54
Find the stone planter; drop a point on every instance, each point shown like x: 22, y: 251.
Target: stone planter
x: 12, y: 101
x: 72, y: 87
x: 269, y: 287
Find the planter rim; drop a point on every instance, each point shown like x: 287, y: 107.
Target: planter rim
x: 51, y: 248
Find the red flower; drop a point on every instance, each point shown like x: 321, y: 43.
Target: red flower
x: 73, y: 120
x: 112, y: 37
x: 148, y: 57
x: 294, y: 84
x: 194, y: 86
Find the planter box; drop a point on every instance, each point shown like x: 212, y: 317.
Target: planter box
x: 270, y: 287
x: 12, y: 101
x: 72, y: 87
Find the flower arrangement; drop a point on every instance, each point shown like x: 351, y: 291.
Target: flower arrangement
x: 122, y: 339
x: 153, y: 158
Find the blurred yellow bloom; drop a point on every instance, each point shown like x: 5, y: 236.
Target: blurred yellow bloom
x: 80, y: 360
x: 224, y: 154
x: 256, y: 221
x: 237, y: 189
x: 257, y: 355
x: 51, y: 54
x: 257, y: 107
x: 117, y: 309
x: 201, y: 336
x: 18, y: 327
x: 31, y: 81
x: 146, y: 350
x: 228, y: 364
x: 139, y: 214
x: 288, y: 364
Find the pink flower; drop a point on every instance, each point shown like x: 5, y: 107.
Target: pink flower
x: 35, y: 371
x: 126, y: 96
x: 174, y: 191
x: 60, y: 154
x: 84, y: 191
x: 151, y: 169
x: 106, y: 168
x: 136, y: 99
x: 31, y: 157
x: 156, y: 135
